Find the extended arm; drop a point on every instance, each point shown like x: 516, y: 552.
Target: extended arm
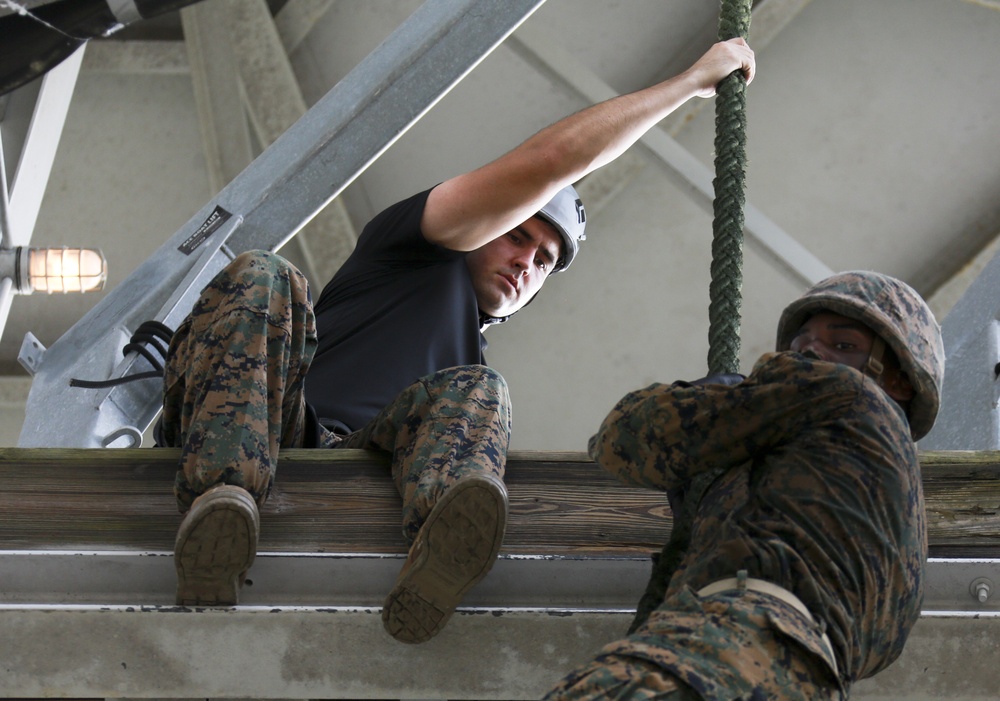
x: 469, y: 210
x: 663, y: 435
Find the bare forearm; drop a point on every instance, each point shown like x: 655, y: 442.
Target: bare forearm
x: 471, y: 209
x: 597, y: 135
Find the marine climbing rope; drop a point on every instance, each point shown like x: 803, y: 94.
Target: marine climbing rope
x: 724, y: 290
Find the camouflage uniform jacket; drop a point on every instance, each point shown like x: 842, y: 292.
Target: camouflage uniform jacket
x: 822, y: 494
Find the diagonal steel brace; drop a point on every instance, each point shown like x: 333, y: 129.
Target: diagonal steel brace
x: 261, y: 208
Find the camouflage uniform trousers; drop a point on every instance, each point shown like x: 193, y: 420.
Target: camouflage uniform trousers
x: 233, y: 395
x: 725, y: 647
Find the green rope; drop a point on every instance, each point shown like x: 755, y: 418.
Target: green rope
x: 724, y: 291
x: 730, y: 175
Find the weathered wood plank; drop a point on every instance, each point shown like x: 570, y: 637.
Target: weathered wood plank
x: 323, y: 501
x: 344, y: 501
x: 962, y: 491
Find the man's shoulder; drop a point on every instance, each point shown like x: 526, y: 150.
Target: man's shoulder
x: 402, y: 215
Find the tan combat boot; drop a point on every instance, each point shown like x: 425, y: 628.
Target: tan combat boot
x: 454, y: 549
x: 216, y: 544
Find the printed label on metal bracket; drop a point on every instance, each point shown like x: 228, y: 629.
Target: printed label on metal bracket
x: 217, y: 218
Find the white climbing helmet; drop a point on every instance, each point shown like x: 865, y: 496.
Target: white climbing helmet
x: 566, y: 213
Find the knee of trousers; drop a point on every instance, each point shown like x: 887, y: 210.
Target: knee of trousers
x: 466, y: 379
x: 261, y: 260
x: 479, y: 383
x: 468, y: 375
x: 259, y: 282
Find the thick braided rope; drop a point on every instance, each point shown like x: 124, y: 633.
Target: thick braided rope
x: 730, y: 171
x: 725, y: 291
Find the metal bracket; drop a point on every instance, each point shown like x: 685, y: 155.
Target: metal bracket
x: 31, y: 354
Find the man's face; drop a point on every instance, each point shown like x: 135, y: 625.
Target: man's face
x: 836, y: 339
x: 508, y: 271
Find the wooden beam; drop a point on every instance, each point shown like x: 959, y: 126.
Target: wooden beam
x: 344, y: 501
x: 962, y: 491
x: 323, y: 501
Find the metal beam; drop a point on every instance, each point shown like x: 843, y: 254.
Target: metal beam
x: 271, y: 96
x: 239, y: 70
x: 34, y: 164
x: 296, y: 19
x: 11, y: 8
x: 686, y: 171
x: 6, y: 283
x: 143, y: 57
x: 969, y: 418
x: 251, y: 50
x: 103, y: 625
x: 274, y: 101
x: 294, y: 22
x: 280, y: 579
x: 262, y: 208
x: 948, y: 294
x: 285, y: 579
x: 215, y: 77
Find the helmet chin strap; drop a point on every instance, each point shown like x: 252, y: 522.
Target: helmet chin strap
x: 486, y: 320
x: 874, y: 367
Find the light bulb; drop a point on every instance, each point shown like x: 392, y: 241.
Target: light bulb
x: 66, y: 269
x: 54, y: 269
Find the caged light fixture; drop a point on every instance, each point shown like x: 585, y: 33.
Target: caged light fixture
x: 53, y: 270
x: 43, y: 269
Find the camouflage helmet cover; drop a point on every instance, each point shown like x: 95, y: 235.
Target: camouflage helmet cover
x: 895, y: 312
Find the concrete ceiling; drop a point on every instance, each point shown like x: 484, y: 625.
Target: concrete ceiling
x: 872, y: 142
